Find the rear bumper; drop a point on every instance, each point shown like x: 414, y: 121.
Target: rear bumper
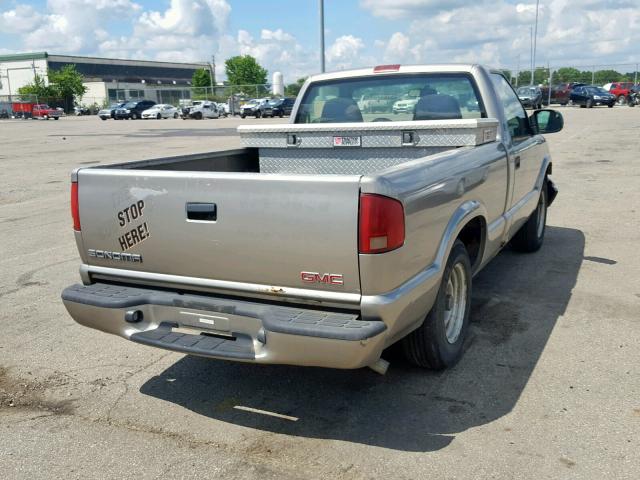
x: 223, y: 328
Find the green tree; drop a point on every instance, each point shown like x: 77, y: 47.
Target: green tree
x: 67, y: 83
x: 245, y: 70
x: 293, y: 89
x: 38, y: 88
x: 567, y: 74
x: 601, y: 77
x: 201, y: 78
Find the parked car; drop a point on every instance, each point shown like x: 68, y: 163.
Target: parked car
x: 161, y: 110
x: 253, y: 108
x: 560, y: 92
x: 200, y: 109
x: 282, y: 106
x: 44, y: 111
x: 407, y: 104
x: 133, y: 109
x: 621, y: 90
x: 223, y: 109
x: 530, y: 96
x: 591, y: 95
x: 319, y: 247
x: 110, y: 111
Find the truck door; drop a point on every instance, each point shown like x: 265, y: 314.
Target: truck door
x: 523, y: 146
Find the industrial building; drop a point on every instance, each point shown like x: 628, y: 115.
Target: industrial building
x: 106, y: 79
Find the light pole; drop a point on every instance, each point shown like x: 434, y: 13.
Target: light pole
x: 321, y: 5
x: 534, y: 43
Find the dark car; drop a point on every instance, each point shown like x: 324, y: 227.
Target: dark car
x: 133, y: 109
x: 590, y: 95
x: 561, y: 92
x: 110, y: 111
x: 530, y: 96
x: 282, y: 107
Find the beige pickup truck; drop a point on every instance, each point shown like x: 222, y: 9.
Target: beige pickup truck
x: 328, y: 238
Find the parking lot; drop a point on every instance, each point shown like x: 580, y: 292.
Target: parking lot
x: 549, y: 386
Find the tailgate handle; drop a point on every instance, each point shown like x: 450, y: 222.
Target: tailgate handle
x: 206, y: 212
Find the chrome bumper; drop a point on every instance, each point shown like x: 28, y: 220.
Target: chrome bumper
x: 223, y: 328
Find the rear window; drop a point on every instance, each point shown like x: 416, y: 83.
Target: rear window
x: 440, y: 96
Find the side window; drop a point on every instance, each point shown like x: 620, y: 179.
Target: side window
x: 517, y: 120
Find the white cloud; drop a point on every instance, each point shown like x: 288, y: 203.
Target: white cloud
x: 23, y: 18
x: 579, y: 32
x: 345, y: 52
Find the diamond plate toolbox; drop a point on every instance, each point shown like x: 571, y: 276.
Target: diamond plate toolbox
x: 359, y: 148
x: 421, y: 133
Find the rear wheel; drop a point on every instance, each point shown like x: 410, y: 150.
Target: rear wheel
x: 257, y: 113
x: 438, y: 342
x: 175, y: 115
x: 531, y: 235
x: 621, y: 100
x: 134, y: 116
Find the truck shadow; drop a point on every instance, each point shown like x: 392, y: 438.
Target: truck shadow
x: 517, y: 302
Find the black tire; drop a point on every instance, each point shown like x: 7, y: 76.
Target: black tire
x: 427, y: 346
x: 589, y: 103
x: 258, y: 114
x: 198, y: 116
x: 530, y: 237
x: 242, y: 115
x: 621, y: 100
x: 281, y: 115
x: 158, y: 117
x: 175, y: 115
x: 611, y: 105
x: 56, y: 118
x: 583, y: 106
x: 102, y: 118
x: 134, y: 116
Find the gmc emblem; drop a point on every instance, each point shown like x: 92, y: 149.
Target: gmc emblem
x: 328, y: 278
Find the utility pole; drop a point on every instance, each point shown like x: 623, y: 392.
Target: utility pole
x: 549, y: 85
x: 531, y: 36
x: 635, y: 76
x: 535, y: 42
x: 321, y: 5
x: 518, y: 70
x: 212, y: 65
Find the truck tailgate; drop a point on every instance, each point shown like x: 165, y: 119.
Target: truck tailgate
x: 237, y: 227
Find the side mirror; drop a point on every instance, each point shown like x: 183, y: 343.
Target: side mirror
x: 547, y: 121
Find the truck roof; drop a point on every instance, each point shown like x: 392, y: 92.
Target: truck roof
x: 395, y: 69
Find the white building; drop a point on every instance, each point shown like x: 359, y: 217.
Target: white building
x: 106, y: 79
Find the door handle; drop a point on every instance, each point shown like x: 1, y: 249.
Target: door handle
x: 206, y: 212
x: 517, y: 162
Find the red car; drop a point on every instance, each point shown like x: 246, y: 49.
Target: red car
x: 621, y: 90
x: 44, y: 111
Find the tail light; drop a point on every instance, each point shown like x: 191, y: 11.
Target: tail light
x: 381, y: 224
x: 75, y: 206
x: 386, y: 68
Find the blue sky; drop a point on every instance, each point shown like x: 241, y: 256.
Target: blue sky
x: 283, y: 34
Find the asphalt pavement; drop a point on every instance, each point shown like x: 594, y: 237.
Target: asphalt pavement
x: 549, y: 387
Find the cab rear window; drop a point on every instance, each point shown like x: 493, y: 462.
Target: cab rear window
x: 391, y: 98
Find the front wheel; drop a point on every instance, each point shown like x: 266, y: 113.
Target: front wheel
x: 438, y: 342
x: 531, y: 235
x: 258, y: 114
x: 158, y: 116
x: 175, y: 115
x: 589, y: 103
x: 134, y: 116
x: 56, y: 118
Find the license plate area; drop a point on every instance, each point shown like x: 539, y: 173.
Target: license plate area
x: 347, y: 141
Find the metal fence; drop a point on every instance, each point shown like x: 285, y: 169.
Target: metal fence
x: 595, y: 74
